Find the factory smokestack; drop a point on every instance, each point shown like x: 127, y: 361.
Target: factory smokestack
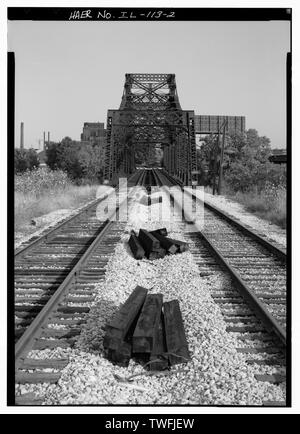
x: 48, y: 138
x: 44, y: 141
x: 22, y: 136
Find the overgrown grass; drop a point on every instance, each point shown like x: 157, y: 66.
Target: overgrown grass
x: 269, y: 203
x: 43, y: 191
x: 272, y: 209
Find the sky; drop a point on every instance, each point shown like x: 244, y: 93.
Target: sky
x: 68, y: 73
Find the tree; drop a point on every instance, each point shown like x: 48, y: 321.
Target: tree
x: 51, y: 155
x: 245, y: 161
x: 89, y: 159
x: 79, y: 161
x: 25, y: 159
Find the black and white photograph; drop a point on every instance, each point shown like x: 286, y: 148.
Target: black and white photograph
x: 149, y: 256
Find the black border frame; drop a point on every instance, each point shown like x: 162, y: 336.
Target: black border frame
x: 182, y: 14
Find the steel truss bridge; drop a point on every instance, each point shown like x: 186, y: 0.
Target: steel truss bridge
x: 150, y: 116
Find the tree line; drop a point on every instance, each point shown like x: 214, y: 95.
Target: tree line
x: 246, y: 164
x: 79, y: 161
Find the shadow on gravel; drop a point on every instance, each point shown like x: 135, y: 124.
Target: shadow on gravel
x: 94, y: 332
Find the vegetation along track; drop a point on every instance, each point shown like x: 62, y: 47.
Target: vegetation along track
x: 54, y: 280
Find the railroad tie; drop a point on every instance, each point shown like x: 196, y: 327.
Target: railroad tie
x: 147, y: 324
x: 177, y: 346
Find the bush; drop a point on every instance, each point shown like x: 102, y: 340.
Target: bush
x: 42, y: 191
x: 25, y: 159
x: 41, y: 180
x: 269, y: 203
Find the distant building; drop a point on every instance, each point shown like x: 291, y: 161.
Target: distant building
x: 94, y: 133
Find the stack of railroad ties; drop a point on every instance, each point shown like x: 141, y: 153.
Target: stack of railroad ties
x: 146, y: 327
x: 154, y: 244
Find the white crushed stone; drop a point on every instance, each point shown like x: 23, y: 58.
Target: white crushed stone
x: 216, y: 375
x: 271, y: 231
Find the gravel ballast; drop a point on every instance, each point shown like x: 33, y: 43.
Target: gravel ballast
x: 48, y: 221
x: 271, y: 231
x: 216, y: 374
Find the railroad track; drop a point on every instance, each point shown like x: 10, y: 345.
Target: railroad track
x: 54, y: 280
x: 254, y: 303
x: 255, y: 273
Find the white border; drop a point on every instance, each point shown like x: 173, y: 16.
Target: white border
x: 296, y: 228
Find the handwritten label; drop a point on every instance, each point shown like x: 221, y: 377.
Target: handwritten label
x: 120, y: 15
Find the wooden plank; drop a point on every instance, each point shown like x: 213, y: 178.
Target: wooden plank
x: 73, y: 309
x: 37, y: 377
x: 136, y: 247
x: 61, y: 333
x: 44, y: 363
x: 82, y: 299
x: 25, y: 300
x: 274, y: 403
x: 158, y: 357
x: 161, y: 231
x: 28, y: 399
x: 27, y: 308
x: 43, y: 344
x: 175, y: 335
x: 229, y: 300
x: 274, y: 378
x: 121, y: 355
x: 160, y: 253
x: 245, y: 329
x: 66, y: 322
x: 181, y: 245
x: 126, y: 315
x: 245, y: 320
x: 143, y: 336
x: 167, y: 244
x: 148, y: 241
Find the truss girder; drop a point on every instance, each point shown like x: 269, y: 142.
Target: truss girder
x: 150, y: 113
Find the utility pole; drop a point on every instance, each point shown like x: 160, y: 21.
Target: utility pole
x: 216, y: 153
x: 22, y: 136
x: 220, y: 186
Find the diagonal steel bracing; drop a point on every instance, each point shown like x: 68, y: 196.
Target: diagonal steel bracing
x: 149, y: 115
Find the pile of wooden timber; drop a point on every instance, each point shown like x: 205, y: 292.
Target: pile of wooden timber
x: 154, y: 244
x: 148, y: 329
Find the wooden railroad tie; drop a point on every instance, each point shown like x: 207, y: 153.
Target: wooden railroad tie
x: 149, y: 242
x: 136, y: 247
x: 120, y: 324
x: 166, y: 243
x: 158, y: 357
x: 149, y: 329
x: 120, y: 329
x: 154, y: 244
x: 161, y: 231
x: 147, y: 324
x: 181, y: 245
x: 177, y: 346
